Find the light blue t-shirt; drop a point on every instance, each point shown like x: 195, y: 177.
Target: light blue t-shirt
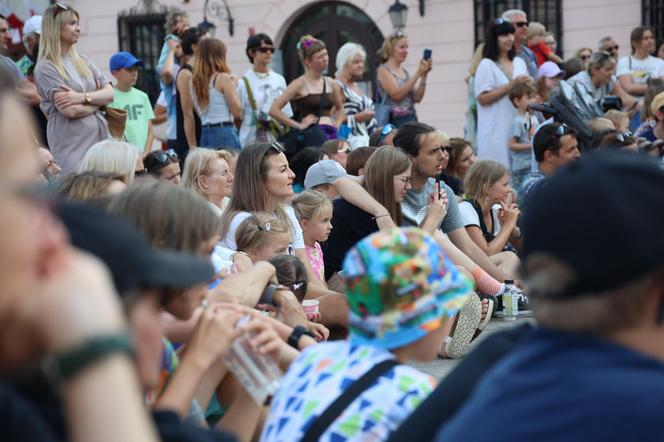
x: 520, y: 160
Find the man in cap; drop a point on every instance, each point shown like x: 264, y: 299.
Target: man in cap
x: 402, y: 292
x: 31, y: 35
x: 594, y: 365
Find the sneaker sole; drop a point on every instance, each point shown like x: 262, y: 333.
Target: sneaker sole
x: 467, y: 323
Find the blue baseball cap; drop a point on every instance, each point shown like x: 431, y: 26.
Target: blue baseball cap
x: 123, y: 59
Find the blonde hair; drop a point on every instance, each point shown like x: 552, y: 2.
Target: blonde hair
x: 308, y: 204
x: 210, y: 59
x: 616, y: 117
x: 385, y: 51
x: 111, y: 156
x: 442, y: 137
x: 86, y: 186
x: 308, y: 46
x: 53, y: 20
x: 481, y: 176
x: 197, y: 163
x: 258, y: 231
x: 535, y: 29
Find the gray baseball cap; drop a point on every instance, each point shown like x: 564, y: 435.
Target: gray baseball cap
x: 323, y: 172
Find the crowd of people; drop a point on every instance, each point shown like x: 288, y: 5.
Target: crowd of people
x: 267, y: 271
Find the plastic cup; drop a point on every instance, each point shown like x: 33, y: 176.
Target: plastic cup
x: 310, y: 306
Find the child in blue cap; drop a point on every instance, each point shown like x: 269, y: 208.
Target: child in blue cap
x: 138, y: 129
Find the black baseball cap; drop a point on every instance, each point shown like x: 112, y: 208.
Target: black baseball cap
x: 602, y: 218
x: 132, y: 260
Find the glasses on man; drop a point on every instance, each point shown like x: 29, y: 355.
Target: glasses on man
x: 521, y: 24
x: 266, y: 49
x: 584, y: 57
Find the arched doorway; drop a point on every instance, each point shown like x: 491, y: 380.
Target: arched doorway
x: 336, y: 23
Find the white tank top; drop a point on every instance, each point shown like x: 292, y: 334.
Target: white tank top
x: 217, y: 110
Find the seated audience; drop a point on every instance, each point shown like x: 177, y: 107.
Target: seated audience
x: 208, y: 173
x: 366, y: 375
x: 90, y: 186
x: 163, y: 165
x: 383, y: 136
x: 262, y: 236
x: 461, y: 157
x: 357, y: 160
x: 489, y: 213
x: 598, y: 311
x: 337, y: 150
x: 112, y: 156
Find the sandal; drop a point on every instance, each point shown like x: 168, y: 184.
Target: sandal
x: 466, y: 323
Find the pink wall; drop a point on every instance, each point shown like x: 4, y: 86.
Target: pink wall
x: 447, y: 29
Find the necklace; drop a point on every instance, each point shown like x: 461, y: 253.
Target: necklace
x: 262, y: 75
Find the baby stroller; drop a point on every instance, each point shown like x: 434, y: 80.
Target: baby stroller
x: 575, y: 107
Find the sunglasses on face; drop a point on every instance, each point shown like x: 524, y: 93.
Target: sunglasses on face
x: 584, y: 57
x: 266, y: 49
x: 521, y: 24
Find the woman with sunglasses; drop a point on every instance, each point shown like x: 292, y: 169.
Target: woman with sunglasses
x: 584, y: 54
x: 258, y: 89
x: 163, y: 165
x: 498, y: 72
x: 72, y: 89
x: 396, y: 88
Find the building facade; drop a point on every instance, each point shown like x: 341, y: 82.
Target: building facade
x: 448, y: 27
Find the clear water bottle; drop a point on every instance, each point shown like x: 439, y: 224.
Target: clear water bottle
x: 510, y: 301
x: 259, y: 374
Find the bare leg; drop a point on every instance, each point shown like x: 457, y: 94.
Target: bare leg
x: 508, y: 262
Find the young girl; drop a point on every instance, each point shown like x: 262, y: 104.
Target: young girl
x: 487, y: 185
x: 314, y: 211
x: 262, y: 236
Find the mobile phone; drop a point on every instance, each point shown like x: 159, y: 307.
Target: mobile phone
x: 427, y: 54
x: 438, y: 186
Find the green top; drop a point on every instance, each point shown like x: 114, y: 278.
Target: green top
x: 139, y: 113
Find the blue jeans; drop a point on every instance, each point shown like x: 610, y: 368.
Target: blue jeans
x: 220, y: 137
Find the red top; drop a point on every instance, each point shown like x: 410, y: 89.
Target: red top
x: 542, y: 52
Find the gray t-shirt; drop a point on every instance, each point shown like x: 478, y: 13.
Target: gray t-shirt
x: 8, y: 65
x: 69, y: 139
x: 416, y: 202
x: 520, y: 160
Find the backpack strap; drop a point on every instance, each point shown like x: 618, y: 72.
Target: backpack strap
x: 331, y: 413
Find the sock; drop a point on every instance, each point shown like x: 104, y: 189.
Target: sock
x: 485, y: 283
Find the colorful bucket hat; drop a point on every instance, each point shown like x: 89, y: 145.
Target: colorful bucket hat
x: 400, y: 286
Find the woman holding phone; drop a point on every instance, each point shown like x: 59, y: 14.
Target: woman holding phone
x: 397, y: 90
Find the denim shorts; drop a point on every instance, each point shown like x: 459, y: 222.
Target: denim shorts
x: 220, y: 137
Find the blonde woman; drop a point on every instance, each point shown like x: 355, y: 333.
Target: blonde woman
x: 112, y: 156
x: 215, y: 96
x: 208, y: 173
x: 72, y: 89
x: 398, y: 90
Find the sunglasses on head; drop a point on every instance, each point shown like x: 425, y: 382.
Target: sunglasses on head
x: 385, y: 132
x: 164, y: 156
x: 397, y: 34
x: 266, y: 49
x: 60, y: 7
x: 625, y: 137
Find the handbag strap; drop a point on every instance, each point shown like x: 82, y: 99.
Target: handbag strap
x: 250, y: 94
x: 322, y: 423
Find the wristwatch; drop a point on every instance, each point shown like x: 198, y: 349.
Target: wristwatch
x: 66, y: 365
x: 88, y: 98
x: 298, y: 331
x: 268, y: 294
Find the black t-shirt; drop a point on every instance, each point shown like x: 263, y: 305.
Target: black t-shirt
x: 19, y: 420
x: 455, y: 183
x: 349, y: 225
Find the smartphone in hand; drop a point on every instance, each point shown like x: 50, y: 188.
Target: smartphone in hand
x: 427, y: 54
